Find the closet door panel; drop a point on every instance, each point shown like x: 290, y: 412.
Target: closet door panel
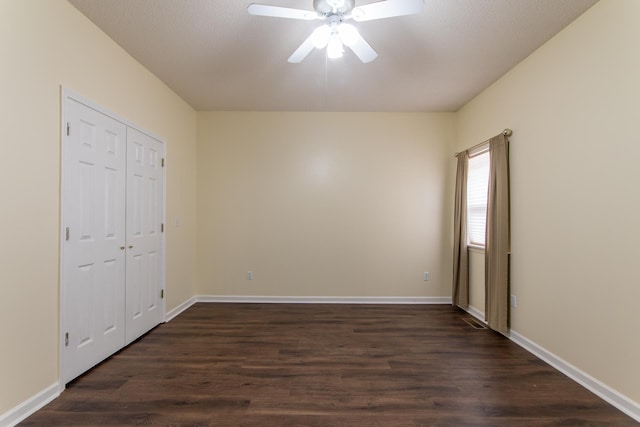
x: 93, y: 237
x: 144, y: 241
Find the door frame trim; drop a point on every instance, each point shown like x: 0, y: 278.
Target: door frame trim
x: 65, y: 94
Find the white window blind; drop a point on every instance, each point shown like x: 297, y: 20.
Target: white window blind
x: 477, y: 188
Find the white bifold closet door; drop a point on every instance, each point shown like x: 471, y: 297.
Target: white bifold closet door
x: 94, y: 197
x: 144, y: 213
x: 111, y: 255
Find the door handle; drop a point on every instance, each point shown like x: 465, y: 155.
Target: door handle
x: 130, y: 246
x: 122, y: 248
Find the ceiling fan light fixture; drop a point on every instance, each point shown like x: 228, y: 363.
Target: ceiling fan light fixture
x: 335, y: 34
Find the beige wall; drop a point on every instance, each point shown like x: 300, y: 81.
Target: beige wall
x: 45, y: 44
x: 324, y: 204
x: 573, y: 107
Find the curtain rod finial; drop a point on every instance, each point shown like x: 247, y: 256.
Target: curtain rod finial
x: 507, y: 132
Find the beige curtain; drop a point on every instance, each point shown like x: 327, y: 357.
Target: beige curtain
x: 498, y: 245
x: 460, y: 289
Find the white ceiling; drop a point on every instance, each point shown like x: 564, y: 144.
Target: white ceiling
x: 217, y: 57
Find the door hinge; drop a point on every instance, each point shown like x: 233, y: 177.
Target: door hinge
x: 66, y: 339
x: 161, y: 293
x: 68, y: 129
x: 162, y: 227
x: 66, y: 234
x: 162, y: 162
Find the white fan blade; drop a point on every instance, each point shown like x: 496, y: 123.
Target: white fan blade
x: 362, y: 49
x: 387, y: 9
x: 320, y: 36
x: 302, y: 51
x: 281, y: 12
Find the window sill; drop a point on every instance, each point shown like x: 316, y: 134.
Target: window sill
x: 476, y: 249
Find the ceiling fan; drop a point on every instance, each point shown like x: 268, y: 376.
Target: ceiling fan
x: 334, y: 34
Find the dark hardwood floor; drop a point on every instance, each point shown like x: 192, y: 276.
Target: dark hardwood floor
x: 325, y: 365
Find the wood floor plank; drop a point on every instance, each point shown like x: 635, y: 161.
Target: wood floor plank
x: 325, y: 365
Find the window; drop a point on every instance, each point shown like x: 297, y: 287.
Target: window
x: 477, y: 188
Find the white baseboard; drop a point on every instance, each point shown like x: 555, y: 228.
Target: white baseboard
x: 322, y: 300
x: 600, y: 389
x: 476, y: 313
x: 29, y: 406
x: 171, y: 314
x: 179, y: 309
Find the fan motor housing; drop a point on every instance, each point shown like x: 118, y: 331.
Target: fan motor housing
x: 327, y: 7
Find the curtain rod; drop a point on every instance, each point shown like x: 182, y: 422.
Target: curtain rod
x: 506, y: 132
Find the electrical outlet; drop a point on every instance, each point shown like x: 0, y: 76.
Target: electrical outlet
x: 249, y: 275
x: 425, y: 276
x: 513, y: 301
